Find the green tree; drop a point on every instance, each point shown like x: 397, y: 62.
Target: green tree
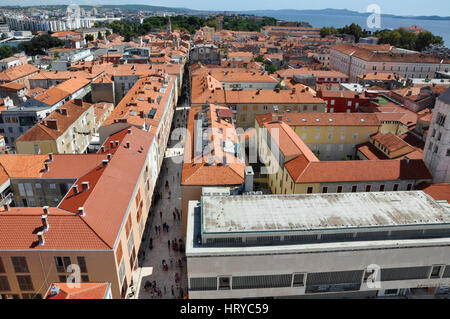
x: 108, y: 33
x: 6, y: 51
x: 39, y: 44
x: 89, y: 37
x: 326, y: 31
x: 100, y: 36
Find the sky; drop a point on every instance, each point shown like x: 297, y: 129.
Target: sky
x: 398, y: 7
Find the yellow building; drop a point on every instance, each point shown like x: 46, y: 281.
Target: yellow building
x: 292, y: 168
x: 331, y: 136
x: 67, y: 130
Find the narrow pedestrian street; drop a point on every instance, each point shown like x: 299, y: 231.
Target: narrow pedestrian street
x: 152, y: 280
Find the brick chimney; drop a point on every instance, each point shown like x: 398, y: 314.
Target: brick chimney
x: 78, y: 102
x: 64, y: 112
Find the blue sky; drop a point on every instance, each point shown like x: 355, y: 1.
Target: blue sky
x: 399, y: 7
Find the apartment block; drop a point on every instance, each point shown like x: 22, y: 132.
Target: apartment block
x: 294, y: 169
x: 212, y: 154
x: 317, y: 246
x: 92, y: 227
x: 69, y: 129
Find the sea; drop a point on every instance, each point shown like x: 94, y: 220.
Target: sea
x: 437, y: 27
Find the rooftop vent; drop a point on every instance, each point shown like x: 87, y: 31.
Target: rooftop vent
x: 75, y: 189
x: 45, y: 209
x: 111, y: 143
x: 109, y: 156
x: 105, y: 163
x: 128, y: 144
x: 45, y: 224
x: 50, y: 157
x: 81, y: 211
x: 41, y: 238
x: 47, y: 167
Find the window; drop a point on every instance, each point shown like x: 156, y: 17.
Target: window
x: 25, y: 283
x: 62, y: 278
x: 31, y: 296
x: 382, y: 188
x: 298, y: 280
x: 84, y: 278
x: 52, y: 186
x: 310, y: 190
x: 121, y: 271
x: 325, y: 190
x: 4, y: 284
x: 82, y: 263
x: 409, y: 187
x: 62, y: 263
x: 436, y: 272
x: 448, y: 152
x: 332, y: 102
x: 224, y: 283
x: 349, y: 103
x: 20, y: 264
x: 368, y: 188
x: 339, y: 189
x: 354, y: 189
x: 2, y: 267
x: 395, y: 188
x: 314, y: 107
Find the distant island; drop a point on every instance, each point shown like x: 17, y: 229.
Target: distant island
x: 133, y: 8
x: 340, y: 12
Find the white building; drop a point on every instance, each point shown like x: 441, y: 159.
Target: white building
x: 357, y: 59
x: 338, y: 245
x: 437, y: 148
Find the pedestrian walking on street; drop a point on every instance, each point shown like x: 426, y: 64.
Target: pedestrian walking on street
x: 159, y: 229
x: 168, y: 243
x: 174, y: 216
x: 165, y: 290
x: 167, y: 227
x: 156, y: 229
x: 160, y: 214
x: 173, y: 293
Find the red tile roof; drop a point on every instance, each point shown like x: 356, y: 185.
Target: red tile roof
x: 86, y: 290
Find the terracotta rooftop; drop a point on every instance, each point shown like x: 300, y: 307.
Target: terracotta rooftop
x: 203, y: 167
x: 57, y: 123
x: 105, y: 208
x: 321, y: 119
x: 87, y: 290
x: 17, y: 72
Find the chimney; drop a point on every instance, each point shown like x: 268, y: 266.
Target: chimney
x: 47, y: 167
x: 105, y: 163
x: 52, y: 124
x: 103, y: 149
x: 111, y: 143
x: 6, y: 207
x: 50, y: 157
x: 41, y: 238
x: 64, y: 112
x: 78, y: 102
x: 85, y: 186
x: 45, y: 224
x: 248, y: 179
x: 81, y: 211
x: 129, y: 130
x: 117, y: 143
x: 45, y: 209
x: 128, y: 144
x: 75, y: 189
x: 109, y: 156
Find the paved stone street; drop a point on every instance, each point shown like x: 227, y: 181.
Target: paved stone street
x: 150, y: 264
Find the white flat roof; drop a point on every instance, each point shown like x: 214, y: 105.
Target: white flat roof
x: 274, y: 213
